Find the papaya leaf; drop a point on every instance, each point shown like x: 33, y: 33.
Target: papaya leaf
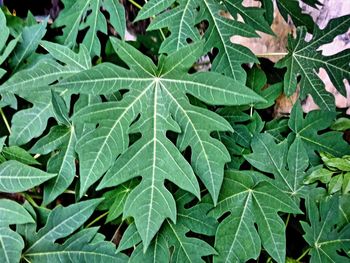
x: 305, y: 60
x: 287, y: 164
x: 81, y: 14
x: 309, y: 130
x: 157, y: 96
x: 13, y: 213
x: 324, y: 232
x: 17, y: 177
x: 84, y: 246
x: 186, y: 249
x: 181, y: 23
x: 32, y: 85
x: 250, y: 200
x: 19, y: 154
x: 11, y: 245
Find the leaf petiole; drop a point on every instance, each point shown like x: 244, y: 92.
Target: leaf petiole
x: 97, y: 219
x: 303, y: 255
x: 5, y: 120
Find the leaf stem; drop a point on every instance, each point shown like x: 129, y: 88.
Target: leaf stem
x: 272, y: 54
x: 26, y: 259
x: 97, y: 219
x: 303, y: 255
x: 70, y: 192
x: 287, y: 221
x: 30, y: 200
x: 5, y: 120
x: 135, y: 4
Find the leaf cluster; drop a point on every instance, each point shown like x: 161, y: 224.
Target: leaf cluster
x: 130, y: 151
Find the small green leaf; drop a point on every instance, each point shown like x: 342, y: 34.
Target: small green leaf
x: 86, y: 14
x: 257, y: 81
x: 341, y: 124
x: 342, y: 164
x: 322, y: 175
x: 56, y: 137
x: 309, y: 129
x: 115, y: 200
x: 60, y: 109
x: 292, y: 8
x: 335, y: 184
x: 19, y: 154
x: 18, y: 177
x: 31, y: 37
x: 12, y: 213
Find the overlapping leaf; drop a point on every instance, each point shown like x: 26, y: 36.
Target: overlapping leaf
x: 292, y: 9
x: 327, y: 236
x: 157, y: 96
x: 84, y: 246
x: 5, y: 49
x: 251, y: 201
x: 304, y: 60
x: 41, y: 246
x: 11, y: 245
x: 186, y: 249
x: 287, y: 165
x: 32, y: 85
x: 30, y: 39
x: 18, y: 177
x: 181, y: 21
x: 63, y: 162
x: 13, y: 213
x: 82, y: 14
x: 309, y: 130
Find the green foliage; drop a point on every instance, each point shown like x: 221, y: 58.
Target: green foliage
x: 336, y: 174
x: 250, y: 201
x: 166, y: 149
x: 81, y: 14
x: 305, y: 59
x: 327, y: 233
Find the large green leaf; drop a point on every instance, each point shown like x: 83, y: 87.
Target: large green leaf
x: 186, y: 249
x: 11, y: 245
x: 13, y: 213
x: 82, y: 14
x: 181, y: 21
x: 305, y: 60
x: 250, y: 201
x: 326, y: 234
x: 18, y: 177
x: 309, y: 130
x: 287, y: 165
x: 158, y: 97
